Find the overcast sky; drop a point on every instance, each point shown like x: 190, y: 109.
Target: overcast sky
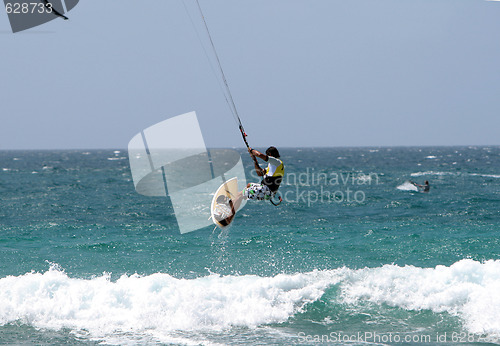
x: 302, y: 73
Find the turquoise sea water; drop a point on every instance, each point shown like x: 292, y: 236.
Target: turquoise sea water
x: 352, y: 254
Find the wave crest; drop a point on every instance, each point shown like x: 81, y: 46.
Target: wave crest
x: 160, y: 305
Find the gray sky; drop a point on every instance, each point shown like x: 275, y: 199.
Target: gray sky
x: 302, y: 73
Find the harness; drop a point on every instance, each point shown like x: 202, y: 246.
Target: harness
x: 274, y: 181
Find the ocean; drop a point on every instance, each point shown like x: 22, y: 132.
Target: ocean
x: 353, y: 255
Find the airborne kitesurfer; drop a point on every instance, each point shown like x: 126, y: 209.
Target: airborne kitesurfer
x: 272, y: 175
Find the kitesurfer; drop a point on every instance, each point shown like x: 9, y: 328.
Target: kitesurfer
x: 265, y: 190
x: 425, y: 188
x: 272, y: 175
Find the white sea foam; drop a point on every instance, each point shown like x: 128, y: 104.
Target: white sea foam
x: 484, y: 175
x: 419, y: 174
x: 468, y: 289
x: 160, y: 306
x: 116, y: 158
x: 497, y: 176
x: 155, y: 305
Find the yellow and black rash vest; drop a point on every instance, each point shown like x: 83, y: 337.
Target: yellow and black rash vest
x: 274, y: 173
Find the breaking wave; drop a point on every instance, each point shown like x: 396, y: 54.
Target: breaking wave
x: 159, y: 305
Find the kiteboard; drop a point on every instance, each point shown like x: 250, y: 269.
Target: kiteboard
x: 222, y: 208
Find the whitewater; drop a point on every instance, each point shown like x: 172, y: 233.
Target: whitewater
x: 160, y: 306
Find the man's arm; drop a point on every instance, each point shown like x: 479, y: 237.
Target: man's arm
x: 260, y: 172
x: 258, y: 154
x: 418, y: 185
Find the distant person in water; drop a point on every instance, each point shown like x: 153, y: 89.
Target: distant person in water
x: 425, y: 188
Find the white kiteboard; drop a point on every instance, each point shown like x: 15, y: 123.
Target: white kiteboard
x: 222, y: 209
